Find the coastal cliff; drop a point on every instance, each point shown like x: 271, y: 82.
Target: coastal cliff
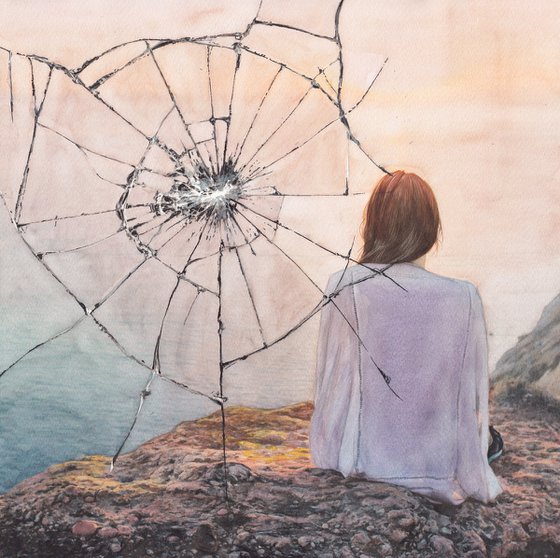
x: 532, y: 366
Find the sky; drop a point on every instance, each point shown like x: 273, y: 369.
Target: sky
x: 468, y: 98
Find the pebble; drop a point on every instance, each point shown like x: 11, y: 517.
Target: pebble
x: 115, y: 547
x: 125, y: 530
x: 107, y: 532
x: 360, y: 539
x: 398, y: 535
x: 443, y: 546
x: 84, y: 528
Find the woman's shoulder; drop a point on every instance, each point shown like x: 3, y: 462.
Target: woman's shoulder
x: 406, y: 272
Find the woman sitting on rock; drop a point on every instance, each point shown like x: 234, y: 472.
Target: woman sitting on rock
x: 402, y: 373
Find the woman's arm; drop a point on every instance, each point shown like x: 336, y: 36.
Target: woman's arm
x: 476, y: 476
x: 334, y: 425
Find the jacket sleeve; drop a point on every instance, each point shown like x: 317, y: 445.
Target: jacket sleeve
x: 334, y: 424
x: 475, y: 474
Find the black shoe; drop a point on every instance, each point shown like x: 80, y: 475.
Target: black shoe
x: 496, y: 448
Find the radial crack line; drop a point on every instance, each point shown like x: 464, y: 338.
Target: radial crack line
x: 350, y: 135
x: 157, y: 226
x: 280, y: 194
x: 383, y: 374
x: 257, y: 112
x: 259, y: 323
x: 143, y: 394
x: 172, y: 226
x: 11, y: 85
x: 184, y: 225
x: 213, y: 116
x: 170, y: 380
x: 298, y: 104
x: 43, y: 343
x: 174, y: 101
x: 295, y: 148
x: 236, y: 223
x: 320, y: 305
x: 228, y: 121
x: 188, y: 315
x: 385, y: 377
x: 23, y: 184
x: 129, y: 355
x: 221, y: 353
x: 278, y: 223
x: 326, y: 300
x: 156, y: 358
x: 33, y: 90
x: 310, y: 79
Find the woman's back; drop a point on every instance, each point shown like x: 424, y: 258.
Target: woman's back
x: 427, y: 428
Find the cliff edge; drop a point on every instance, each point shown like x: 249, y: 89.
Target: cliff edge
x: 166, y: 499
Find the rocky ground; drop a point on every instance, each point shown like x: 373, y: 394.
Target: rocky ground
x: 166, y: 499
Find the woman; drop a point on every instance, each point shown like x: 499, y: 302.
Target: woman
x: 402, y: 374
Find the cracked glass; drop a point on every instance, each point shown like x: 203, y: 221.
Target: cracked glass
x: 175, y: 201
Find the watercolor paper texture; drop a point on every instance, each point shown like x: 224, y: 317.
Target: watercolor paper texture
x: 179, y: 182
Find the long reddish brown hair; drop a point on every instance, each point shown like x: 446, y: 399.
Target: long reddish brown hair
x: 401, y: 220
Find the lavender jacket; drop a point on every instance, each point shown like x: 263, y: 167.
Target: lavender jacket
x: 427, y: 334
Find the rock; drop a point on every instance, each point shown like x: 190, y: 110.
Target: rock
x: 360, y: 539
x: 204, y: 539
x: 285, y: 510
x: 124, y: 530
x: 238, y: 472
x: 443, y: 546
x: 242, y: 536
x: 84, y: 528
x: 107, y: 532
x: 345, y: 552
x: 398, y: 535
x: 115, y: 547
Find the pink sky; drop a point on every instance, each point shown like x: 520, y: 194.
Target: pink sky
x: 469, y: 99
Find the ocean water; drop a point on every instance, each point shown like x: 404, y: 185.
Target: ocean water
x: 77, y: 396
